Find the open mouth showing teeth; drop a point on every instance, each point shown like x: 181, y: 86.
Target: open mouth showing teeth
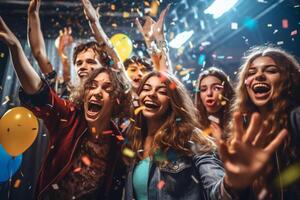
x: 137, y: 80
x: 94, y: 107
x: 151, y: 105
x: 261, y: 88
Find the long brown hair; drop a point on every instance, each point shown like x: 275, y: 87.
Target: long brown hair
x: 284, y: 100
x: 179, y: 128
x: 228, y: 94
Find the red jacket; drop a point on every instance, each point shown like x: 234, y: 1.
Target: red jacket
x: 66, y: 124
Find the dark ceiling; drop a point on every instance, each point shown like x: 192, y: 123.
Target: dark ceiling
x: 259, y: 22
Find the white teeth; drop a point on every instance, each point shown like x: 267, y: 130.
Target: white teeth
x: 150, y: 103
x: 261, y: 85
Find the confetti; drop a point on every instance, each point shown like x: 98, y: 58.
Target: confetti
x: 172, y: 85
x: 207, y: 132
x: 86, y: 160
x: 139, y: 109
x: 128, y: 152
x: 137, y: 128
x: 160, y: 184
x: 214, y: 119
x: 120, y: 137
x: 295, y: 32
x: 93, y: 129
x: 6, y: 100
x: 289, y: 175
x: 113, y: 7
x: 76, y: 170
x: 154, y: 8
x: 234, y: 26
x: 285, y: 23
x: 107, y: 132
x: 126, y: 14
x: 17, y: 183
x: 55, y: 186
x: 178, y: 119
x: 194, y: 179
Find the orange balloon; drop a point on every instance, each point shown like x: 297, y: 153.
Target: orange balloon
x: 18, y: 130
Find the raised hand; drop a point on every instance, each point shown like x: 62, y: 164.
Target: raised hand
x: 6, y: 35
x: 152, y: 30
x: 64, y: 39
x: 245, y: 157
x: 34, y: 6
x: 89, y: 11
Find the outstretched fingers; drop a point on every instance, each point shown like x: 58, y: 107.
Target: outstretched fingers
x: 255, y: 126
x: 276, y: 141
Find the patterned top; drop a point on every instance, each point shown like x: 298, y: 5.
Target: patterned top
x: 86, y: 176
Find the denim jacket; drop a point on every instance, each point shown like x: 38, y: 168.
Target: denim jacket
x: 198, y: 177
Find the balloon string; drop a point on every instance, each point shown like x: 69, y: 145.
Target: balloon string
x: 10, y: 176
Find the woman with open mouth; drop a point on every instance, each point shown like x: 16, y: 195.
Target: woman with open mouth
x: 269, y: 84
x: 84, y: 156
x: 213, y: 100
x: 171, y: 159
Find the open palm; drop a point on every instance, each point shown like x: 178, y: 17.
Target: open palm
x: 244, y: 158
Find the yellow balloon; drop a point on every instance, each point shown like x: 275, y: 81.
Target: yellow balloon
x: 18, y: 130
x: 122, y: 44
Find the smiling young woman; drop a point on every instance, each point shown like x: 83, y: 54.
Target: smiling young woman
x: 269, y: 83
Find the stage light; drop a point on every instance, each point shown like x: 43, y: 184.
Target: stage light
x: 180, y: 39
x: 219, y: 7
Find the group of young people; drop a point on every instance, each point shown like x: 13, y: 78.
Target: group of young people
x: 229, y: 143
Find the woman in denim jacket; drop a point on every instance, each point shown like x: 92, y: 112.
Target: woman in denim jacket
x: 169, y: 158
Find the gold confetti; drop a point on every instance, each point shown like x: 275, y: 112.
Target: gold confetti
x: 93, y: 129
x: 126, y: 14
x: 137, y: 128
x: 6, y: 100
x: 139, y: 109
x: 128, y: 152
x: 113, y: 7
x: 289, y: 176
x: 185, y: 72
x: 154, y: 8
x: 17, y: 183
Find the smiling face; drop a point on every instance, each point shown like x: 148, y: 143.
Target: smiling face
x: 210, y: 90
x: 263, y: 78
x: 85, y: 63
x: 155, y: 99
x: 97, y: 100
x: 136, y: 72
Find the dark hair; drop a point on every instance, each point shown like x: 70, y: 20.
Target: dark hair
x: 228, y: 94
x: 121, y: 93
x: 138, y: 60
x: 99, y: 50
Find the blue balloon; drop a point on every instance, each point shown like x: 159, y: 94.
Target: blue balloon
x: 8, y: 164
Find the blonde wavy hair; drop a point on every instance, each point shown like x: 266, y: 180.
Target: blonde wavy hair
x: 180, y: 127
